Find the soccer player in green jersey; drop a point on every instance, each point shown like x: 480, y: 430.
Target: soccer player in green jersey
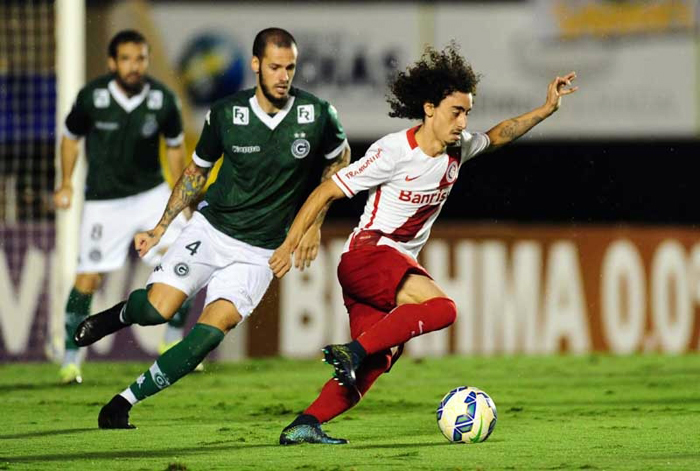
x: 272, y: 137
x: 122, y: 116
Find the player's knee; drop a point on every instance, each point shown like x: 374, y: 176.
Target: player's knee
x: 165, y: 299
x: 221, y: 314
x: 162, y: 306
x: 446, y: 308
x: 88, y: 283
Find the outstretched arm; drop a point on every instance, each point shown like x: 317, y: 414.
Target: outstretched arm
x: 307, y: 249
x: 511, y: 129
x: 187, y: 189
x: 319, y: 199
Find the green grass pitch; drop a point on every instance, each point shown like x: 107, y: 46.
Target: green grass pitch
x: 565, y: 413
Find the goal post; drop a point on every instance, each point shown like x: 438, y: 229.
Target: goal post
x: 70, y: 77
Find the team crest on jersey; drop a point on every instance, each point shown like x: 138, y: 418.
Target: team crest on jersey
x: 100, y: 97
x: 300, y: 147
x: 181, y: 269
x: 305, y: 114
x: 240, y: 115
x: 150, y: 125
x: 452, y: 171
x: 155, y: 100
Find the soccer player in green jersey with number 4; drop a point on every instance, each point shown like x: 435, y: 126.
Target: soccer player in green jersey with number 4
x: 272, y: 137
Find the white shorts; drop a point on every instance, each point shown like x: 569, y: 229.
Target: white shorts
x: 108, y: 227
x: 204, y: 256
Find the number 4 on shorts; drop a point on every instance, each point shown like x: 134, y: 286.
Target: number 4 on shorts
x: 193, y: 247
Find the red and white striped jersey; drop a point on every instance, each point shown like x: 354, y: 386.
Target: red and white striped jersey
x: 407, y: 188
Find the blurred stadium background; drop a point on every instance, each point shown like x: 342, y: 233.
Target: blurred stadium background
x: 581, y: 237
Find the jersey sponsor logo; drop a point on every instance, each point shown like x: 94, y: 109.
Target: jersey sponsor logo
x: 423, y: 198
x: 364, y: 166
x: 106, y: 125
x: 245, y: 149
x: 155, y: 100
x: 305, y: 114
x: 150, y: 126
x: 240, y: 115
x: 301, y: 148
x: 452, y: 172
x: 410, y: 179
x: 100, y: 98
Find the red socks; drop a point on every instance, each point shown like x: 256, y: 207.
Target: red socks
x: 408, y: 321
x: 397, y: 327
x: 336, y: 399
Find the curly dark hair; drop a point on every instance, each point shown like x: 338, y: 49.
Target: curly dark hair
x: 436, y: 75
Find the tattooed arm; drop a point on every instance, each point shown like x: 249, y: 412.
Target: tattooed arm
x: 308, y: 246
x: 187, y: 190
x: 511, y: 129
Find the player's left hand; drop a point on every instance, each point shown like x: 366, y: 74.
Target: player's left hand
x: 557, y: 88
x: 281, y: 260
x: 307, y: 250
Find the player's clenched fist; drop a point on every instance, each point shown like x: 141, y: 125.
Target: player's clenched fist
x: 145, y: 241
x: 62, y: 197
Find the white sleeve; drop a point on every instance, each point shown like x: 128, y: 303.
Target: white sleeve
x: 372, y: 170
x: 473, y: 144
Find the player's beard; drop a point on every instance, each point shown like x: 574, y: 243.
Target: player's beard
x: 133, y: 88
x: 276, y: 102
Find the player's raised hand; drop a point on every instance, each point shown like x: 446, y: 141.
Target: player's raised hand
x: 145, y: 241
x: 63, y: 197
x: 557, y: 88
x: 307, y: 250
x: 281, y: 260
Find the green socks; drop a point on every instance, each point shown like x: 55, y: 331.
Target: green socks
x: 175, y: 363
x: 77, y: 309
x: 139, y: 310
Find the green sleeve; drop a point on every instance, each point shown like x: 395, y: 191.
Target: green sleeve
x: 172, y: 127
x: 209, y: 147
x: 333, y: 134
x: 78, y: 122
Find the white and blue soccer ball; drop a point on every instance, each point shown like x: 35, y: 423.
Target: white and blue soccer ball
x: 466, y: 415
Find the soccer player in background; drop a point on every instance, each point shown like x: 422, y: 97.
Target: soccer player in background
x: 273, y: 137
x: 390, y: 298
x: 122, y: 115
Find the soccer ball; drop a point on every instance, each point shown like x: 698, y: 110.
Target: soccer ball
x: 466, y: 415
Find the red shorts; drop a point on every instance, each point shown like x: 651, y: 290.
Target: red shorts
x: 371, y: 275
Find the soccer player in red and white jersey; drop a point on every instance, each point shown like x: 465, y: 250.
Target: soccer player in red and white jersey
x: 390, y: 298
